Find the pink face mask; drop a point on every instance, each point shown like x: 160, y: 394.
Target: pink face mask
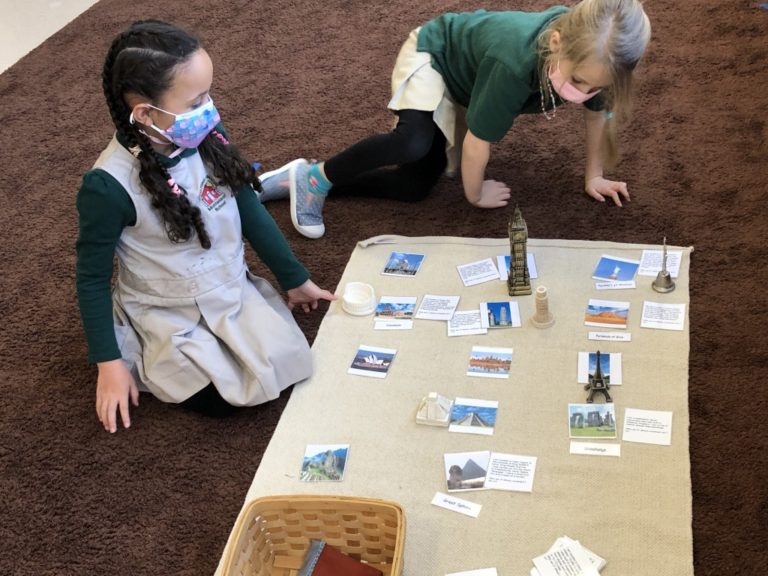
x: 566, y: 90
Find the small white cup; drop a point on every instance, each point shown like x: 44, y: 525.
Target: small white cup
x: 359, y: 299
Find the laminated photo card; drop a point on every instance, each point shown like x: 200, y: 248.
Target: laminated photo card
x: 403, y: 264
x: 372, y: 361
x: 592, y: 421
x: 472, y: 416
x: 395, y: 313
x: 494, y: 315
x: 324, y: 462
x: 606, y: 313
x: 488, y: 362
x: 610, y: 367
x: 615, y: 269
x: 503, y: 264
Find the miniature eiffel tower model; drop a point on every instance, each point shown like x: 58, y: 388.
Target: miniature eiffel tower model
x: 519, y: 280
x: 597, y: 383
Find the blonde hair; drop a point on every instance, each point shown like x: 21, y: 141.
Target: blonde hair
x: 615, y: 32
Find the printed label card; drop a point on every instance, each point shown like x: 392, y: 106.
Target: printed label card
x: 472, y: 416
x: 455, y: 504
x: 403, y: 264
x: 606, y: 313
x: 503, y: 263
x: 466, y: 323
x: 324, y: 462
x: 591, y: 421
x: 478, y: 272
x: 663, y: 316
x: 595, y: 449
x: 611, y: 336
x: 372, y: 361
x: 495, y: 315
x: 651, y: 262
x: 437, y: 307
x: 489, y: 471
x: 647, y: 426
x: 481, y: 572
x: 610, y: 367
x: 614, y: 269
x: 511, y: 472
x: 487, y: 362
x: 395, y: 313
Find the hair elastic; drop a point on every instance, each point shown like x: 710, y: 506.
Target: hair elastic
x: 174, y: 187
x: 220, y: 136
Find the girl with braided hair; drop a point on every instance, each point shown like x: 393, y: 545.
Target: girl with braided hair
x: 173, y: 198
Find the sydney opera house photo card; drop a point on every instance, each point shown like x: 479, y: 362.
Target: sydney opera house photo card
x: 615, y: 269
x: 592, y: 420
x: 472, y: 416
x: 487, y: 362
x: 606, y: 313
x: 403, y: 264
x: 324, y: 462
x: 372, y: 361
x: 607, y: 367
x: 500, y: 315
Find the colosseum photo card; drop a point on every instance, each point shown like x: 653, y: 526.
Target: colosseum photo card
x: 324, y: 462
x: 487, y: 362
x: 472, y: 416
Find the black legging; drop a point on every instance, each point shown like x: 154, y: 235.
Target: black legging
x: 403, y: 164
x: 208, y: 401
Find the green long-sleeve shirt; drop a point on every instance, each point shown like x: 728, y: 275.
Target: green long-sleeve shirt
x: 105, y: 209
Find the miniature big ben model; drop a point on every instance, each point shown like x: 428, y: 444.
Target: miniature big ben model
x: 519, y: 280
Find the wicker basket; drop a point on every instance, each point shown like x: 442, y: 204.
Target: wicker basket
x: 272, y: 534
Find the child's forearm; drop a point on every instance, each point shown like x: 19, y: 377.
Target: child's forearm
x: 474, y: 158
x: 594, y: 127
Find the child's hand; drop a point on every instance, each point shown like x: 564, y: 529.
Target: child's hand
x: 598, y: 187
x: 113, y: 387
x: 493, y: 194
x: 307, y: 296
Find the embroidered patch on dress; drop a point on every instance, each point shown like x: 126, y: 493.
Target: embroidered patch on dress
x: 210, y: 197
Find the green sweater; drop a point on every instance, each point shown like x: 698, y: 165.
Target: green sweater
x: 105, y: 208
x: 490, y: 65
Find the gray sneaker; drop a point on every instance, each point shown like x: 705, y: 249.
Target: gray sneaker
x: 274, y: 184
x: 306, y: 207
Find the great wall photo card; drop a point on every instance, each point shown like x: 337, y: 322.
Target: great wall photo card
x: 606, y: 313
x: 403, y: 264
x: 592, y: 420
x: 372, y: 361
x: 487, y: 362
x: 324, y: 462
x: 473, y: 416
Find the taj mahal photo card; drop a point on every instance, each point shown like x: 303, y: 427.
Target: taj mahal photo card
x: 403, y: 264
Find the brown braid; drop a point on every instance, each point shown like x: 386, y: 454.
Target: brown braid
x: 142, y: 60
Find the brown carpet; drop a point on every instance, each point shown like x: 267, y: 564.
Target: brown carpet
x: 304, y: 79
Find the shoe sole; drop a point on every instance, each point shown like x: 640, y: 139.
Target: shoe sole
x: 313, y: 232
x: 284, y: 168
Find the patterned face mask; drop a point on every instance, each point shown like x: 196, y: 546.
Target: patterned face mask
x: 190, y: 128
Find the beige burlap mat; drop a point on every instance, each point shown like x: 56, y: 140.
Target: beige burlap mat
x: 634, y: 510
